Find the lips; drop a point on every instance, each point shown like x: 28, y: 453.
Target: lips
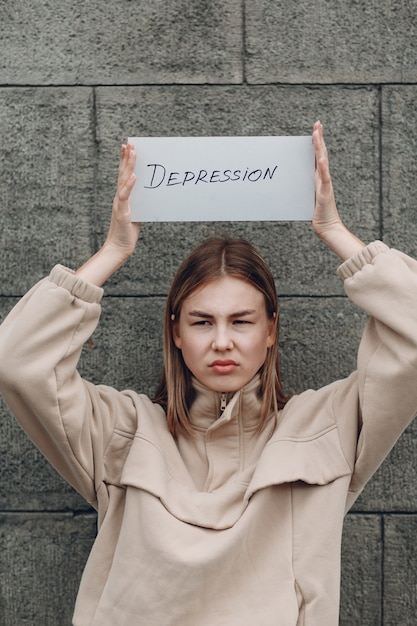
x: 226, y: 366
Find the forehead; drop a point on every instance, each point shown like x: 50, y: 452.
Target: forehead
x: 226, y: 295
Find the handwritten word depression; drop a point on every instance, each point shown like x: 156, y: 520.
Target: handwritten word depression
x: 160, y: 176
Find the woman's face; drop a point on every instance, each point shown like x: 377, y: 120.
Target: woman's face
x: 224, y: 333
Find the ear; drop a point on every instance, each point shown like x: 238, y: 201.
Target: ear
x: 272, y: 331
x: 175, y: 333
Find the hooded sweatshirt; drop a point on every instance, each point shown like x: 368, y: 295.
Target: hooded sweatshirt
x: 229, y: 526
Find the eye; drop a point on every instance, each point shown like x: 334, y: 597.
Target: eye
x: 202, y: 323
x: 240, y: 322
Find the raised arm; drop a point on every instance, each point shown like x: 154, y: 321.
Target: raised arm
x: 326, y: 220
x: 123, y: 234
x: 68, y: 418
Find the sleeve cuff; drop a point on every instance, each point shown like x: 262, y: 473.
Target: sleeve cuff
x: 362, y: 258
x: 64, y: 277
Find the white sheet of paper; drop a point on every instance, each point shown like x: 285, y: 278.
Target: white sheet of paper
x: 223, y: 179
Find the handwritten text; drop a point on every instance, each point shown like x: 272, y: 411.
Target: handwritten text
x: 158, y: 175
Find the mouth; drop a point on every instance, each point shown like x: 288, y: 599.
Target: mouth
x: 226, y: 366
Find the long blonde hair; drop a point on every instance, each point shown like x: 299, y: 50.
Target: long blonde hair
x: 214, y: 258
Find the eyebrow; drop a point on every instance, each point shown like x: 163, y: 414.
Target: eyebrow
x: 209, y: 316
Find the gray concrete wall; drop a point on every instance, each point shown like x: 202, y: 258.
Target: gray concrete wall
x: 76, y: 79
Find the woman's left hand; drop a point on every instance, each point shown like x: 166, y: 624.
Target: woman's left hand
x: 325, y: 215
x: 326, y: 222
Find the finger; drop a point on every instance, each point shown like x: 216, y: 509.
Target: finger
x: 126, y: 189
x: 127, y: 165
x: 318, y: 142
x: 317, y: 125
x: 125, y: 154
x: 322, y: 160
x: 122, y: 159
x: 324, y: 170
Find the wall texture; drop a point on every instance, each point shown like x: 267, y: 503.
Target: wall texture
x: 76, y: 79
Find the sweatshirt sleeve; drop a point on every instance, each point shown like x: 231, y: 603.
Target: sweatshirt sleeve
x: 383, y: 282
x: 69, y: 419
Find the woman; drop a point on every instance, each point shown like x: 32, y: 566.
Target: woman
x: 221, y: 503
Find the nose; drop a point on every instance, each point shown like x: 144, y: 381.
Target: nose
x: 222, y: 340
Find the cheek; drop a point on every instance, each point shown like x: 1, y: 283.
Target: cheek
x: 266, y: 338
x: 193, y: 355
x: 189, y: 344
x: 258, y: 351
x: 254, y: 351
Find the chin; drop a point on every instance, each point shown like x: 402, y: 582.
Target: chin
x: 227, y: 386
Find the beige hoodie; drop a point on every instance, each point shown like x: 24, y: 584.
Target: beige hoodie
x: 229, y: 527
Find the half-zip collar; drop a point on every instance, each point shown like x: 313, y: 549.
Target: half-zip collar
x: 210, y: 407
x: 223, y: 402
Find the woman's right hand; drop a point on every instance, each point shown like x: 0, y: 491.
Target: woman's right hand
x: 123, y: 234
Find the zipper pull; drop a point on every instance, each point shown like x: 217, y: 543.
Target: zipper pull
x: 223, y: 402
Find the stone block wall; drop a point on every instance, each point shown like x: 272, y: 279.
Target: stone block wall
x: 76, y: 79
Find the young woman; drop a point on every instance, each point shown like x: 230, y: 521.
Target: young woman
x: 221, y: 503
